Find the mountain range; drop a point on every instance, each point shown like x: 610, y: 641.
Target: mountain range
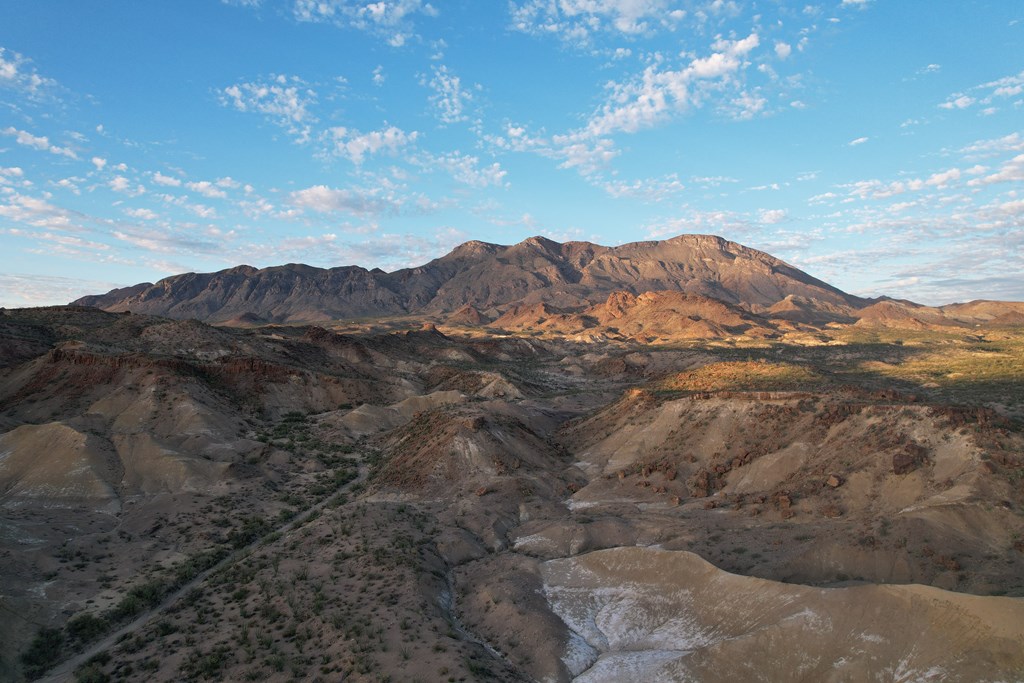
x: 539, y: 462
x: 490, y: 277
x: 721, y: 287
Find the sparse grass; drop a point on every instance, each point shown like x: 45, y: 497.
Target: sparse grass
x: 758, y: 375
x: 968, y: 370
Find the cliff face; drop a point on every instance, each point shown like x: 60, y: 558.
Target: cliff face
x: 488, y: 277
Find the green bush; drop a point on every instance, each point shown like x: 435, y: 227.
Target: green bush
x: 252, y: 529
x: 139, y: 599
x: 91, y: 673
x: 43, y: 652
x: 86, y: 626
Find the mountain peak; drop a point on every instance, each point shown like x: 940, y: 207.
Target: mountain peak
x: 473, y: 247
x: 539, y: 241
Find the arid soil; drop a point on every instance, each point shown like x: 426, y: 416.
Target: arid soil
x: 838, y: 503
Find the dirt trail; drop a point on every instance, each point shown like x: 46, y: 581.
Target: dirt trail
x: 65, y: 670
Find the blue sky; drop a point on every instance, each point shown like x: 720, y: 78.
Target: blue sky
x: 877, y: 144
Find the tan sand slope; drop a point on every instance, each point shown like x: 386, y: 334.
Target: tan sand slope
x: 653, y: 615
x: 58, y: 464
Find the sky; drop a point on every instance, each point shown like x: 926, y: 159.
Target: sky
x: 876, y: 144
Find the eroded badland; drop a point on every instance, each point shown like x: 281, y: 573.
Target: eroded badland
x: 648, y: 486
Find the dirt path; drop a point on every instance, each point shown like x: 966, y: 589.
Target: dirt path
x: 65, y: 670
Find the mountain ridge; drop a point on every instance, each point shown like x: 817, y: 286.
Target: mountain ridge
x: 489, y: 277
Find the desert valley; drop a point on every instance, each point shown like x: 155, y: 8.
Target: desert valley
x: 678, y: 460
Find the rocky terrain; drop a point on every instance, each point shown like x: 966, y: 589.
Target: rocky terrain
x: 663, y: 461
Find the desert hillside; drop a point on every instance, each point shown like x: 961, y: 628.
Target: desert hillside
x: 626, y: 467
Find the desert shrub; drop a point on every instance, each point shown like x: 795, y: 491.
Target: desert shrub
x: 91, y: 673
x: 86, y: 626
x: 139, y: 599
x: 252, y: 529
x: 207, y: 665
x: 190, y: 568
x: 43, y: 652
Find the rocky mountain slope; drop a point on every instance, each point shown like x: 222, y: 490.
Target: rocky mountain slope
x: 488, y: 277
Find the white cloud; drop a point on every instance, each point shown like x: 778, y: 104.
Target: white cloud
x: 988, y: 94
x: 958, y: 101
x: 1014, y: 142
x: 27, y: 139
x: 18, y: 74
x: 378, y: 75
x: 162, y: 241
x: 1008, y: 86
x: 70, y: 184
x: 944, y: 178
x: 36, y: 212
x: 18, y: 290
x: 142, y: 214
x: 578, y: 153
x: 449, y: 98
x: 783, y: 50
x: 876, y: 189
x: 650, y: 98
x: 858, y: 141
x: 746, y: 106
x: 10, y: 173
x: 698, y: 222
x: 378, y: 200
x: 772, y: 216
x: 577, y: 21
x: 649, y: 189
x: 124, y: 186
x: 466, y: 169
x: 574, y: 150
x: 713, y: 181
x: 203, y: 211
x: 1011, y: 171
x: 391, y: 19
x: 207, y: 189
x: 167, y: 181
x: 284, y: 100
x: 354, y: 145
x: 37, y: 142
x: 99, y: 163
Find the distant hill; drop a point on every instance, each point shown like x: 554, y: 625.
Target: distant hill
x: 478, y: 280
